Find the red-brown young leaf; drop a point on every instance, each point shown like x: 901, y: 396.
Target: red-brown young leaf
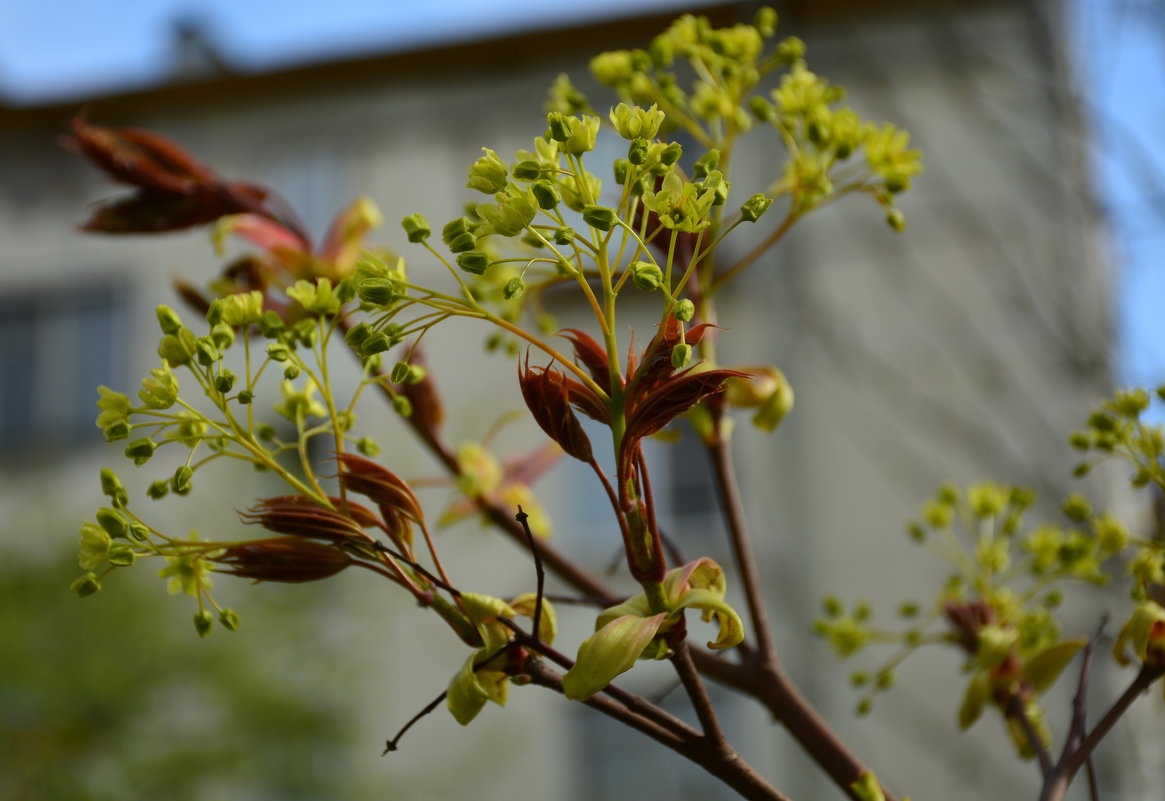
x: 299, y: 516
x: 138, y: 157
x: 583, y: 399
x: 657, y: 366
x: 174, y: 189
x: 399, y: 507
x: 547, y: 395
x: 667, y: 401
x: 290, y: 560
x: 147, y: 211
x: 191, y: 295
x: 968, y: 618
x: 591, y: 355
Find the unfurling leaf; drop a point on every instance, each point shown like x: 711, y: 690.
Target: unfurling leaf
x: 548, y: 397
x: 1042, y: 669
x: 608, y: 652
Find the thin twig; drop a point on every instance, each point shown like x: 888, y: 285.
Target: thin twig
x: 1147, y: 675
x: 539, y: 572
x: 1015, y: 711
x: 391, y: 745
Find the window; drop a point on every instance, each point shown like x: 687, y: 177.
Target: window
x: 56, y: 345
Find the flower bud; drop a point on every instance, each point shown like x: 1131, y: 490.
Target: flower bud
x: 229, y: 619
x: 121, y: 556
x: 706, y: 164
x: 357, y: 335
x: 245, y: 397
x: 488, y: 174
x: 203, y: 622
x: 765, y: 21
x: 402, y: 406
x: 214, y: 312
x: 181, y: 482
x: 561, y: 126
x: 719, y: 187
x: 112, y: 521
x: 612, y: 67
x: 85, y: 586
x: 586, y: 130
x: 271, y: 325
x: 245, y: 308
x: 790, y: 50
x: 416, y: 228
x: 116, y: 431
x: 140, y: 451
x: 158, y: 489
x: 546, y: 193
x: 681, y: 354
x: 224, y: 382
x: 278, y: 352
x: 896, y: 220
x: 458, y: 235
x: 620, y: 168
x: 206, y: 351
x: 762, y: 109
x: 526, y: 171
x: 381, y: 292
x: 515, y: 288
x: 346, y: 289
x: 168, y: 319
x: 415, y: 375
x: 671, y: 154
x: 754, y: 207
x: 684, y: 311
x: 367, y: 446
x: 177, y: 349
x: 599, y: 217
x: 563, y: 236
x: 376, y: 342
x: 222, y: 335
x: 291, y: 371
x: 473, y: 261
x: 112, y: 488
x: 400, y: 372
x: 645, y: 275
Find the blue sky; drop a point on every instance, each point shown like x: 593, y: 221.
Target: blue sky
x: 55, y: 50
x: 1122, y: 46
x: 63, y: 49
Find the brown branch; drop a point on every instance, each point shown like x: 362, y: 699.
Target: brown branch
x: 731, y: 770
x: 733, y: 508
x: 793, y: 711
x: 1057, y: 784
x: 1015, y: 710
x: 698, y: 693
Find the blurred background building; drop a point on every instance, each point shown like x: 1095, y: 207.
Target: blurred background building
x: 966, y: 348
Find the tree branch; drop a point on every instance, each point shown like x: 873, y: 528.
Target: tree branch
x: 734, y: 517
x: 731, y: 770
x: 698, y: 693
